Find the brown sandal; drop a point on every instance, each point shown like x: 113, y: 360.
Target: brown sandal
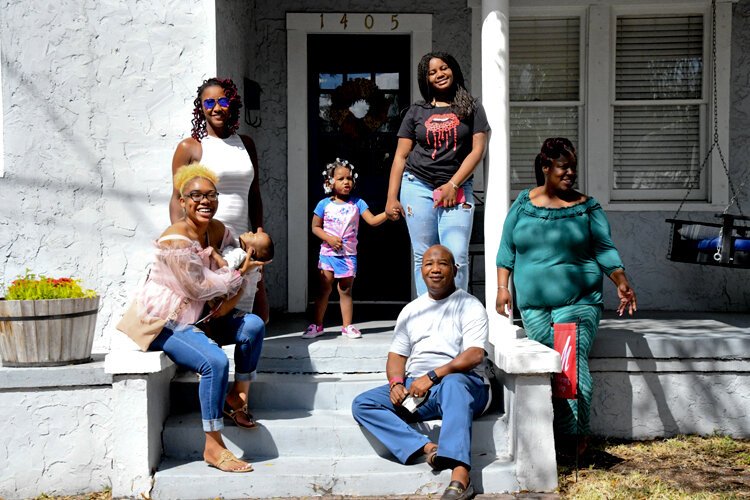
x: 233, y: 414
x: 227, y: 457
x: 431, y: 456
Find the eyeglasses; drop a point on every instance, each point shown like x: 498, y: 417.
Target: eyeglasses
x: 197, y: 196
x: 210, y: 103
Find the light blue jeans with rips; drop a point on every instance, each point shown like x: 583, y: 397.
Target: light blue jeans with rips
x: 450, y: 227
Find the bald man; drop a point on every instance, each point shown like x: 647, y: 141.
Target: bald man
x: 438, y: 351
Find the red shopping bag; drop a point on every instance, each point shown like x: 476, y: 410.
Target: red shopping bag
x: 565, y: 384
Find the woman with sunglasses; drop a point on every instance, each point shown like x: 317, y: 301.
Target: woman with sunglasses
x: 215, y: 143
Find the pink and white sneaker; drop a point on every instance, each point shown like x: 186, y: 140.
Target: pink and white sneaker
x: 351, y: 332
x: 313, y: 331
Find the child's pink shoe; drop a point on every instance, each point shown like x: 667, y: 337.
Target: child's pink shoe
x: 351, y: 332
x: 313, y: 331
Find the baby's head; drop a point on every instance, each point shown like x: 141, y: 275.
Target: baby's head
x: 339, y: 177
x: 260, y: 244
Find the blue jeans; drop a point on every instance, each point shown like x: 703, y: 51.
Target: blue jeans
x: 457, y: 399
x: 429, y: 226
x: 189, y: 347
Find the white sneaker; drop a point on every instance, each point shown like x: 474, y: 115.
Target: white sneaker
x: 351, y: 332
x: 313, y: 331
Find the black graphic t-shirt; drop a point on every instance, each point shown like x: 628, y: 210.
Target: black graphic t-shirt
x: 441, y: 140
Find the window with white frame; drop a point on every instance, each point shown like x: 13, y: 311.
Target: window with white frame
x: 545, y: 89
x: 659, y: 108
x: 629, y: 84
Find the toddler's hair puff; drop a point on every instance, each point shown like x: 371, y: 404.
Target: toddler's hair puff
x: 331, y: 168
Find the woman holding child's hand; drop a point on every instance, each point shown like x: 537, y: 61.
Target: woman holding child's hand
x: 186, y: 275
x: 440, y: 143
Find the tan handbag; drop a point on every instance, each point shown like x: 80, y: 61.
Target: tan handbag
x: 143, y: 330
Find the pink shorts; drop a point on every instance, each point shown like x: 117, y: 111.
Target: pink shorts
x: 343, y: 266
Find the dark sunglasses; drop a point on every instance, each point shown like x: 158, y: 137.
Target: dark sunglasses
x: 210, y: 103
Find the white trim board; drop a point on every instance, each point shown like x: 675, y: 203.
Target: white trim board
x: 299, y: 26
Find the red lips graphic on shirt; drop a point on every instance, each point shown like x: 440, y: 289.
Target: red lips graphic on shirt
x: 440, y: 128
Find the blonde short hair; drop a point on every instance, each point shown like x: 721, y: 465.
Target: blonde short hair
x: 194, y: 170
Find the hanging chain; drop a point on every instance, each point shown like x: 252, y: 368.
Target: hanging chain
x: 715, y: 142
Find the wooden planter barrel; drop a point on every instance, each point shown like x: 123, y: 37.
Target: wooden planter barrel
x: 47, y: 332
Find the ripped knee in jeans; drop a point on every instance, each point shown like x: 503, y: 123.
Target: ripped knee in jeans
x: 409, y: 211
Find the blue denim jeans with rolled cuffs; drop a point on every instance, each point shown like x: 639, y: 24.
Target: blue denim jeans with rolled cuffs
x: 189, y: 347
x: 450, y: 227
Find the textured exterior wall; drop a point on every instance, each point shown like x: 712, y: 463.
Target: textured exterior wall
x: 648, y: 405
x: 57, y: 441
x: 96, y: 96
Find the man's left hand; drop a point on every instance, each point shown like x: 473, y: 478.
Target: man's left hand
x: 420, y: 386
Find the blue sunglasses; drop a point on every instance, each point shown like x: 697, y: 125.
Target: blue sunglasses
x: 209, y: 104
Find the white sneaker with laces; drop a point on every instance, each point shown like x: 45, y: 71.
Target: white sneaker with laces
x: 313, y: 331
x: 351, y: 332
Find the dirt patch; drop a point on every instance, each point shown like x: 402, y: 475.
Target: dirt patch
x: 682, y: 467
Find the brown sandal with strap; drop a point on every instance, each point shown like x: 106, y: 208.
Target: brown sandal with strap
x: 233, y: 414
x: 226, y: 457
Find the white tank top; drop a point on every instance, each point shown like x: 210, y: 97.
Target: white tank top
x: 231, y: 162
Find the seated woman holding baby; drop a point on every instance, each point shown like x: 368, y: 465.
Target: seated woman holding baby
x: 192, y: 286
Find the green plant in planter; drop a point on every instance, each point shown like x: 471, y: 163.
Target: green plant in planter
x: 40, y: 287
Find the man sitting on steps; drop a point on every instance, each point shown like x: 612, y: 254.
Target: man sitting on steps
x: 437, y: 352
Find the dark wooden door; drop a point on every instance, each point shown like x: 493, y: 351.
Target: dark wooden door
x: 357, y: 87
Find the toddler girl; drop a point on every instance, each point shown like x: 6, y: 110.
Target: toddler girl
x: 335, y: 222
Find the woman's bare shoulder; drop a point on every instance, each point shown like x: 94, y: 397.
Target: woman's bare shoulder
x: 179, y: 229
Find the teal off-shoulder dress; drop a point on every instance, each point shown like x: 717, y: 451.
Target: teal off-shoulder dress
x: 558, y: 257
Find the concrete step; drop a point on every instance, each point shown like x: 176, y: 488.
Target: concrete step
x: 306, y: 476
x: 329, y: 353
x: 281, y: 391
x: 319, y: 434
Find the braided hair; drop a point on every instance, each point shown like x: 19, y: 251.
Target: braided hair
x: 552, y: 149
x: 235, y: 103
x: 461, y: 101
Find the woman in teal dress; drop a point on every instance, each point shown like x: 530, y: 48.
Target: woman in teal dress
x: 557, y: 244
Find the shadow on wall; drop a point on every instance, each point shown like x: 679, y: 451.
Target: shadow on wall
x: 670, y: 368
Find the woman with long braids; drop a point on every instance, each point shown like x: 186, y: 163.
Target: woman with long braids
x: 556, y: 241
x: 214, y: 142
x: 440, y: 143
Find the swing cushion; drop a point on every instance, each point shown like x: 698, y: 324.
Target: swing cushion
x: 740, y: 244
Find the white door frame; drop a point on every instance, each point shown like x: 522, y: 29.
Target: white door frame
x: 298, y: 26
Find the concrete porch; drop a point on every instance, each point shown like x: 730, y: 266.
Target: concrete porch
x: 85, y: 427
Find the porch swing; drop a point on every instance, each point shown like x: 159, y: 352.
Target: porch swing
x: 725, y: 243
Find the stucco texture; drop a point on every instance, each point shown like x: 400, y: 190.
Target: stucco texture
x: 52, y: 435
x: 96, y: 95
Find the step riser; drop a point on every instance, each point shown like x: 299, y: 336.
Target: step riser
x: 297, y: 392
x: 184, y: 439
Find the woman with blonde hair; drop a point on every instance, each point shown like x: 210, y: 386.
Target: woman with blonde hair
x: 186, y: 274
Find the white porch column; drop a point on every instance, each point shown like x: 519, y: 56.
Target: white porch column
x: 496, y: 101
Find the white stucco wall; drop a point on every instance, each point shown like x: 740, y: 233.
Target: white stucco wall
x: 59, y: 430
x: 96, y: 96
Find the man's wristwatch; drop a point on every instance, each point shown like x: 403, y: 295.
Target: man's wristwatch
x: 433, y: 377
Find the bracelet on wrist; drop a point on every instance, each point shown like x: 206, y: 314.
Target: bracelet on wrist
x: 453, y: 184
x: 393, y: 380
x: 502, y: 286
x: 394, y: 385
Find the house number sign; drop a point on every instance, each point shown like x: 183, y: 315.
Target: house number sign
x: 359, y: 22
